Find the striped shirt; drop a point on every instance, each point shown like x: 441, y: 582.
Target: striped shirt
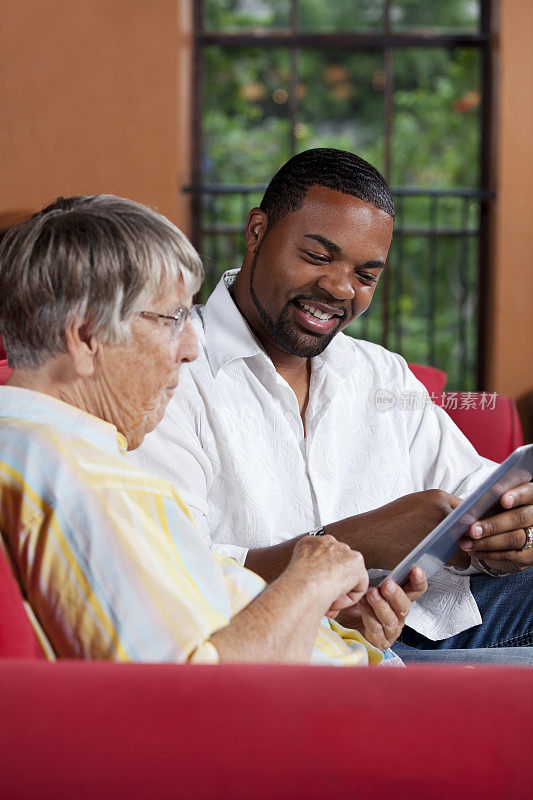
x: 107, y: 554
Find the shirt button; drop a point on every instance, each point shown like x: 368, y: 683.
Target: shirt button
x: 289, y: 415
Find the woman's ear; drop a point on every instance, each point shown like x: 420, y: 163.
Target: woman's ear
x: 256, y: 227
x: 82, y: 348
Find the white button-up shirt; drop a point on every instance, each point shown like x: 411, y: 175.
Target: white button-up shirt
x: 233, y: 441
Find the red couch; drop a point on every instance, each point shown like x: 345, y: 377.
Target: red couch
x: 75, y: 730
x: 488, y: 420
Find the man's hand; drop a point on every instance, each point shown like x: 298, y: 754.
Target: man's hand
x: 380, y: 615
x: 335, y: 572
x: 389, y: 533
x: 498, y: 540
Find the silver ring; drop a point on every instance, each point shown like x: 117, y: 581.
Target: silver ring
x: 529, y: 538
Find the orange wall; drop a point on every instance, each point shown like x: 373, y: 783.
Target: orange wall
x: 510, y: 335
x: 89, y: 96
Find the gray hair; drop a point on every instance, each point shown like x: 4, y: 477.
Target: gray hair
x: 97, y: 259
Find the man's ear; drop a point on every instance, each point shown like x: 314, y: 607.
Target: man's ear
x: 256, y: 227
x: 82, y: 349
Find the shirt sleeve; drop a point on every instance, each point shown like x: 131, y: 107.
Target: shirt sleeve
x: 232, y: 551
x: 173, y: 451
x: 205, y: 654
x: 441, y: 455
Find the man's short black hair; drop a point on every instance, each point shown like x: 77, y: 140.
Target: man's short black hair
x: 324, y: 166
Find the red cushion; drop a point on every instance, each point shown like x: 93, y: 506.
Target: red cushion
x: 5, y: 372
x: 17, y: 637
x: 490, y: 422
x: 433, y: 379
x: 236, y: 732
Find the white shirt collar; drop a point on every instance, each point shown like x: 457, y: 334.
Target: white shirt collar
x: 221, y: 315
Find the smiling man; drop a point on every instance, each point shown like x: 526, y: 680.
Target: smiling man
x: 277, y: 433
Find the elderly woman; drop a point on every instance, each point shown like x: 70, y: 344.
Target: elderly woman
x: 94, y: 302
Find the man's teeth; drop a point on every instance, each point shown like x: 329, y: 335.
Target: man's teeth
x: 316, y: 312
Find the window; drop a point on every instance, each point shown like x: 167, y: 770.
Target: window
x: 403, y: 83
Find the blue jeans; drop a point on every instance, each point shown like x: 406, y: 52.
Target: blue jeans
x: 506, y: 608
x: 505, y: 656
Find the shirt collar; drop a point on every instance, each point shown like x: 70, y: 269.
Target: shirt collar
x: 227, y: 334
x: 70, y: 421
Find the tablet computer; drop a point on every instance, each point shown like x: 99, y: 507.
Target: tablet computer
x: 441, y: 544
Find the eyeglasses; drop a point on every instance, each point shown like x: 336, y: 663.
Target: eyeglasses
x: 176, y: 321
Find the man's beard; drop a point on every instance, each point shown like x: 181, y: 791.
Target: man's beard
x: 283, y: 331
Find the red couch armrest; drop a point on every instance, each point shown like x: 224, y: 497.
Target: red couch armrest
x: 490, y: 422
x: 17, y: 637
x: 5, y: 372
x: 236, y: 732
x: 433, y: 379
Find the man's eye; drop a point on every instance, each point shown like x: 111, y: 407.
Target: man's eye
x: 316, y: 257
x: 368, y: 277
